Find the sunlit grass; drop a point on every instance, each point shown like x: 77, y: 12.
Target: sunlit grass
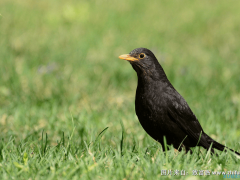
x: 61, y: 77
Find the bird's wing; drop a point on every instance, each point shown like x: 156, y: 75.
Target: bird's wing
x: 180, y: 113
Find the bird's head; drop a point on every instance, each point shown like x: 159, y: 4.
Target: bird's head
x: 144, y: 62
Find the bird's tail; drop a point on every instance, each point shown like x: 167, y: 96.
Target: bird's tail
x: 221, y: 147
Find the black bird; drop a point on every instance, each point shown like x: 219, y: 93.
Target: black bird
x: 161, y: 110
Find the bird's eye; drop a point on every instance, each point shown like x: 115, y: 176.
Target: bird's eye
x: 142, y: 55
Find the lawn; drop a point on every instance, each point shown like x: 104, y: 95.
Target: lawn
x: 67, y: 101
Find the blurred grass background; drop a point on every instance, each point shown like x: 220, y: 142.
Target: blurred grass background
x: 60, y: 72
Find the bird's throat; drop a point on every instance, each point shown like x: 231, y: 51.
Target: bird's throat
x: 147, y: 74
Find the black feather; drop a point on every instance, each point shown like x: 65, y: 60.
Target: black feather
x: 162, y: 111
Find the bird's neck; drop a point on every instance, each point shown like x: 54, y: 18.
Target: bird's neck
x: 148, y: 76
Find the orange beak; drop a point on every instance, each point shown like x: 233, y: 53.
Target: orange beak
x: 127, y: 57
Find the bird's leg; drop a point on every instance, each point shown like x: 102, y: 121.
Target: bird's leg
x: 188, y: 150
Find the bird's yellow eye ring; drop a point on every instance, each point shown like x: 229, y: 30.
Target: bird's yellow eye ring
x: 142, y: 55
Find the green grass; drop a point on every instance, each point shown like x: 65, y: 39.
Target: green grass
x: 62, y: 84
